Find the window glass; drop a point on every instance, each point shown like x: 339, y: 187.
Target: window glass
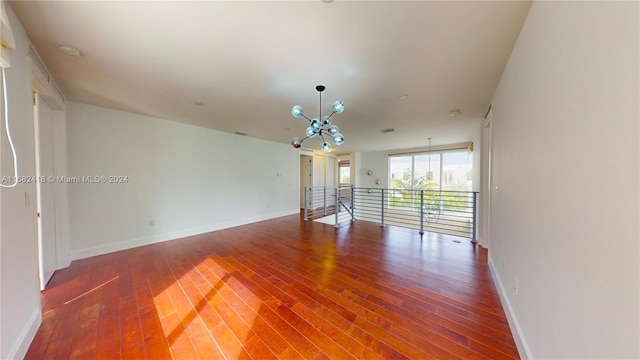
x: 345, y: 174
x: 400, y: 172
x: 458, y: 167
x: 446, y: 170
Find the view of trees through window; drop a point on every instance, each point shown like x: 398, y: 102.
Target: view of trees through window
x: 438, y: 171
x: 344, y: 172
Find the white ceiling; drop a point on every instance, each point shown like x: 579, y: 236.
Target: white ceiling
x: 250, y: 62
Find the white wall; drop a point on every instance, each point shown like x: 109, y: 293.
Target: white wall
x: 186, y: 179
x: 378, y: 163
x: 565, y: 161
x: 20, y: 312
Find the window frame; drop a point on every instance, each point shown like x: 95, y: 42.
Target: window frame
x: 439, y: 169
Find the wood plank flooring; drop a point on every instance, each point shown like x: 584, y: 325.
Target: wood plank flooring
x: 281, y: 288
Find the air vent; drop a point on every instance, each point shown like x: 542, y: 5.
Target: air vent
x: 389, y: 130
x: 241, y: 133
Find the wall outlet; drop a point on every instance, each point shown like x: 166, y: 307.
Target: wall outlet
x: 515, y: 285
x: 152, y: 223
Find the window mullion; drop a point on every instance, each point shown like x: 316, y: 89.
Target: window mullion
x: 413, y: 171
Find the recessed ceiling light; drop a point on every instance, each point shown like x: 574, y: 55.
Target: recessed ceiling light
x: 402, y: 97
x: 384, y: 131
x: 198, y: 103
x: 454, y: 112
x: 70, y: 50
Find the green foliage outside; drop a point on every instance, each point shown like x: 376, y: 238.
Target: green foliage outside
x: 404, y: 194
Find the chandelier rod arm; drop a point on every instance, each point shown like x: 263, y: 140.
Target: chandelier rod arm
x: 320, y: 107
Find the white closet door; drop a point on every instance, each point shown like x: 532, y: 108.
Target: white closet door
x: 319, y: 165
x: 43, y: 121
x: 330, y: 179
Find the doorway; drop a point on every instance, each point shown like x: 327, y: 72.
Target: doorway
x: 344, y: 173
x: 45, y: 188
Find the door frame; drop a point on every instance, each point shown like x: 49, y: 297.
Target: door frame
x: 48, y: 91
x: 485, y: 191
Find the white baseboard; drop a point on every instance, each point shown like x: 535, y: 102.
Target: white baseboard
x: 157, y: 238
x: 516, y: 331
x: 20, y: 347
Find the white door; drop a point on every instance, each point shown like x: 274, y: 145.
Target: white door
x: 330, y: 181
x: 319, y: 167
x: 306, y: 177
x: 43, y: 125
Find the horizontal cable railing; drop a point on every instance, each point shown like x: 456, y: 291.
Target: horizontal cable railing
x: 319, y: 201
x: 344, y: 195
x: 448, y: 212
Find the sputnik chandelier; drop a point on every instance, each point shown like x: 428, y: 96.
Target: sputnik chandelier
x: 320, y: 127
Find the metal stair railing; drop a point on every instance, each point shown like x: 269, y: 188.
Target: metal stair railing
x: 447, y: 212
x: 319, y: 201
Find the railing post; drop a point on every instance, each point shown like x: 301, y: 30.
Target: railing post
x: 421, y: 212
x: 324, y: 193
x: 305, y: 204
x: 382, y: 207
x: 474, y: 238
x: 353, y: 202
x: 337, y: 205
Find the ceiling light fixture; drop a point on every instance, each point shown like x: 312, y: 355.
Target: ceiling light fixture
x: 322, y: 126
x: 454, y: 112
x: 70, y: 50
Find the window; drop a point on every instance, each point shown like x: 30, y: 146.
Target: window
x: 447, y: 178
x: 438, y: 170
x: 344, y: 172
x: 400, y: 172
x: 457, y: 166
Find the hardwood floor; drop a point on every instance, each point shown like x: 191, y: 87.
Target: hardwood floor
x: 281, y: 288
